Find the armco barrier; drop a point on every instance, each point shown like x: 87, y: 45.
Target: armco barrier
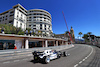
x: 28, y: 52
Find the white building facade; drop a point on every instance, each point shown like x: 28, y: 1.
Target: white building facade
x: 15, y: 16
x: 36, y: 19
x: 39, y: 20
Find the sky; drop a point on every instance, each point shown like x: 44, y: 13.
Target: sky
x: 82, y: 15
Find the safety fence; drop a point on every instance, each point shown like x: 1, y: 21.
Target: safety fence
x: 4, y: 54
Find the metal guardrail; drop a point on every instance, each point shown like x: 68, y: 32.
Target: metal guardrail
x: 4, y: 53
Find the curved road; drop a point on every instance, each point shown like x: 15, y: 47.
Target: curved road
x: 77, y: 54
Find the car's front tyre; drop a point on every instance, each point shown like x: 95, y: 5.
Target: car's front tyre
x: 65, y: 54
x: 58, y: 56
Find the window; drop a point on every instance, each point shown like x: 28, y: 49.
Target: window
x: 40, y: 24
x: 10, y: 21
x: 34, y: 13
x: 12, y: 15
x: 6, y: 19
x: 29, y: 17
x: 44, y: 15
x: 40, y: 17
x: 40, y: 27
x: 44, y: 19
x: 34, y: 25
x: 47, y: 51
x: 45, y: 28
x: 34, y: 17
x: 29, y: 25
x: 20, y: 24
x: 34, y: 28
x: 30, y: 14
x: 17, y: 15
x: 45, y: 25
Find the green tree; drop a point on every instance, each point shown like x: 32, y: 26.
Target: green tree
x: 39, y: 33
x: 66, y: 32
x: 80, y: 33
x: 10, y: 29
x: 85, y: 37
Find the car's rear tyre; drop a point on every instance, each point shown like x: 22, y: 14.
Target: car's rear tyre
x: 36, y: 58
x: 46, y: 59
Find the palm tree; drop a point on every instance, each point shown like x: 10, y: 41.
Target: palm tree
x: 89, y: 33
x: 66, y: 32
x: 80, y: 33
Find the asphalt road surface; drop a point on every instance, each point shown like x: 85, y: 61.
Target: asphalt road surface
x: 78, y: 56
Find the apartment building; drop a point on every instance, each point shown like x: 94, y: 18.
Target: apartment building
x: 36, y: 19
x: 39, y: 20
x: 15, y: 16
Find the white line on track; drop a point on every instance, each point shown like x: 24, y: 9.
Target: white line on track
x: 6, y: 62
x: 80, y: 62
x: 83, y: 60
x: 85, y: 57
x: 25, y: 59
x: 16, y: 60
x: 76, y: 65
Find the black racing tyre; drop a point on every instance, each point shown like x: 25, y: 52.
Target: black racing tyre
x: 65, y: 54
x: 46, y: 59
x: 36, y: 58
x: 34, y: 53
x: 58, y: 56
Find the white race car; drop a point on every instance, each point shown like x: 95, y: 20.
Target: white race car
x: 47, y: 55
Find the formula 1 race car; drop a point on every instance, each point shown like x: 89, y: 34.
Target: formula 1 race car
x: 47, y: 55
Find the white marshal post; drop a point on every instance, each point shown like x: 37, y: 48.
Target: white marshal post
x: 46, y: 43
x: 26, y: 44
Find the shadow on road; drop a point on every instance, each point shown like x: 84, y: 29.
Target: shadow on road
x: 34, y: 62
